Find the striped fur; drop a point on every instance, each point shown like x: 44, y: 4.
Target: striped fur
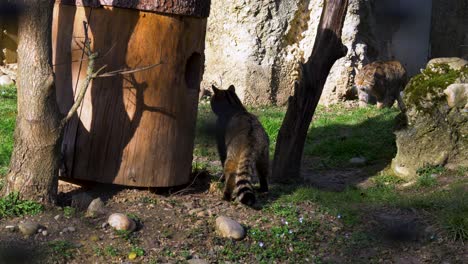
x: 381, y: 81
x: 242, y: 146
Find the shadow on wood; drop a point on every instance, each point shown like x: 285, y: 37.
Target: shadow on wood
x: 137, y: 129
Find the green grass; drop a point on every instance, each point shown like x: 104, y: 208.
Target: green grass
x: 12, y: 205
x: 69, y: 211
x: 61, y: 250
x: 427, y: 176
x: 7, y: 126
x: 449, y: 207
x: 336, y: 135
x: 111, y: 251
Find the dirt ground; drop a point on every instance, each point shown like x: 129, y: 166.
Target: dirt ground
x: 178, y: 226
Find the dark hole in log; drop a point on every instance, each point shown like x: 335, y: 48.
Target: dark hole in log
x: 192, y: 71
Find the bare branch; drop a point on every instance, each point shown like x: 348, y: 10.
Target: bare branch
x: 128, y: 71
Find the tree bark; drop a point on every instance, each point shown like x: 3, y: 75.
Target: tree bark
x: 35, y: 159
x: 301, y: 106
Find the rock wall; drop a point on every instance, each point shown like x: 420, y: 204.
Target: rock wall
x: 433, y: 130
x: 449, y: 29
x: 258, y: 46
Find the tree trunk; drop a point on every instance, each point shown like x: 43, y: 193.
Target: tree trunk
x: 301, y: 106
x: 35, y: 159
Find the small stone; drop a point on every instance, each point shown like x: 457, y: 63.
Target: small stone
x: 57, y: 217
x: 358, y: 161
x: 65, y: 230
x: 95, y: 208
x: 195, y: 211
x: 45, y: 233
x: 5, y: 80
x: 121, y: 222
x: 335, y: 229
x: 202, y: 214
x: 28, y: 228
x: 226, y: 227
x: 197, y: 261
x: 71, y: 229
x: 11, y: 228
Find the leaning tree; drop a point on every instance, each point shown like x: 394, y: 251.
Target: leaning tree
x: 301, y: 106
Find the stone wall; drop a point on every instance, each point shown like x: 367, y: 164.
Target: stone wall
x: 449, y: 30
x: 258, y: 46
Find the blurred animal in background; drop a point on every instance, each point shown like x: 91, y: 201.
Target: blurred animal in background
x: 381, y: 82
x: 243, y: 146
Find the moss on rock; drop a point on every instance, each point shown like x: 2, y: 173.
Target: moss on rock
x: 425, y: 90
x: 433, y: 133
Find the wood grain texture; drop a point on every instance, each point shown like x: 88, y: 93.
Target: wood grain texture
x: 137, y: 129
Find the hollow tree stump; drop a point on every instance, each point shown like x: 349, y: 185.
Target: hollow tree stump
x: 136, y: 129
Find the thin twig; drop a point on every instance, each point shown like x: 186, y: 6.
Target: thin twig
x: 128, y: 71
x: 190, y: 185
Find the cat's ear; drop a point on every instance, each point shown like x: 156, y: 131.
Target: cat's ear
x: 232, y: 88
x: 215, y: 90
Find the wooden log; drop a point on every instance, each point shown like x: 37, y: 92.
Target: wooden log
x: 137, y: 129
x: 301, y: 106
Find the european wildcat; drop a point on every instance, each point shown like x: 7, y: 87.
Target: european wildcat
x: 243, y: 146
x: 384, y: 80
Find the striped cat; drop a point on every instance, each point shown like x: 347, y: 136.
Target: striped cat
x: 243, y: 146
x: 382, y: 81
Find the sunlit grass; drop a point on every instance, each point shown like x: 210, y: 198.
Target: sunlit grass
x: 7, y: 125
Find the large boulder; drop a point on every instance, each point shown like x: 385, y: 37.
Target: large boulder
x: 434, y: 129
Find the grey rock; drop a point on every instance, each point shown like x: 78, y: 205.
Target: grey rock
x: 197, y: 261
x: 457, y: 95
x: 57, y: 217
x: 453, y: 62
x: 11, y: 228
x: 71, y: 229
x: 121, y: 222
x: 81, y: 201
x: 28, y: 228
x: 95, y: 208
x: 195, y: 211
x: 45, y: 233
x: 5, y: 80
x: 226, y: 227
x: 358, y: 161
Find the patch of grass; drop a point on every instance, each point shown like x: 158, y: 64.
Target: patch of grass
x: 134, y: 217
x: 138, y: 251
x: 111, y: 251
x: 69, y: 211
x: 338, y: 134
x: 61, y: 249
x: 148, y: 200
x: 427, y: 176
x: 98, y: 251
x: 13, y: 205
x: 8, y: 91
x: 7, y: 125
x: 128, y: 236
x: 290, y: 241
x: 462, y: 171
